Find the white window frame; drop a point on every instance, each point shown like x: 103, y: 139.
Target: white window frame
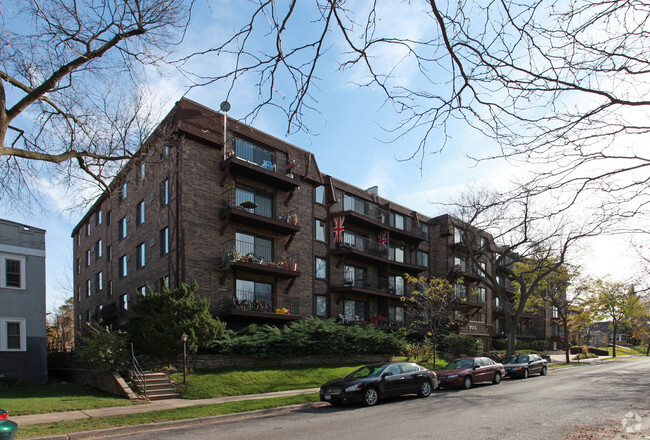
x: 3, y: 333
x: 3, y: 271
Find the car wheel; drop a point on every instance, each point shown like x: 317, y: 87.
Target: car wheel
x: 525, y: 374
x: 425, y: 389
x: 370, y: 397
x: 543, y: 372
x: 497, y: 379
x: 467, y: 382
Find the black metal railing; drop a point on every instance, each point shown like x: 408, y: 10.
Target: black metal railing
x: 275, y: 161
x: 376, y: 213
x: 240, y: 251
x: 264, y: 302
x: 138, y: 372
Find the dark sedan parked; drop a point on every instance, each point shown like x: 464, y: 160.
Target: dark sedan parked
x: 370, y: 383
x: 524, y: 365
x: 468, y: 371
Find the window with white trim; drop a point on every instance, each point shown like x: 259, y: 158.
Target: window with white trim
x: 140, y: 218
x: 141, y: 255
x: 12, y: 272
x: 12, y: 334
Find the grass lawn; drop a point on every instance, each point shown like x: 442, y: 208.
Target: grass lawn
x: 66, y: 427
x: 40, y: 399
x: 203, y: 384
x: 624, y: 350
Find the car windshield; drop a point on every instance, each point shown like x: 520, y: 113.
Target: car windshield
x: 464, y: 363
x: 518, y: 360
x: 367, y: 371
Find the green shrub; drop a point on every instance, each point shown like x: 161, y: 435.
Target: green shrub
x: 104, y: 349
x: 459, y: 345
x: 310, y: 336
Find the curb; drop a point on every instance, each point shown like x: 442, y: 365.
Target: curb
x: 180, y: 423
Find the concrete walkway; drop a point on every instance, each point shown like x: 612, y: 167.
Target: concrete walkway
x: 34, y: 419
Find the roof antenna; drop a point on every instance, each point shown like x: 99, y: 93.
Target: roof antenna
x: 224, y: 107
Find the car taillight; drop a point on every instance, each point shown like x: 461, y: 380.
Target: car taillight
x: 4, y: 415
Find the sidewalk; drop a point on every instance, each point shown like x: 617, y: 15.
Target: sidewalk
x: 34, y: 419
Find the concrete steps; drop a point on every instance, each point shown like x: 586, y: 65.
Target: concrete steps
x: 158, y: 386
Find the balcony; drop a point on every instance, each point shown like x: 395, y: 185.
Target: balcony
x: 368, y: 285
x: 378, y: 219
x: 286, y: 224
x: 364, y: 249
x: 252, y: 257
x: 248, y: 160
x: 467, y: 271
x: 257, y: 305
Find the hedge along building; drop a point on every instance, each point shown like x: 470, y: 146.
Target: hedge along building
x: 266, y: 235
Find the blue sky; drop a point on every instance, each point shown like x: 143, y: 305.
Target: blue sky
x: 349, y: 144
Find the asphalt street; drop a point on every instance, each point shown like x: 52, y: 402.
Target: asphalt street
x: 558, y: 406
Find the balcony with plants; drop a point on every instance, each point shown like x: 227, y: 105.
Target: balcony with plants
x: 256, y: 257
x: 263, y: 304
x: 252, y: 208
x: 371, y: 216
x: 243, y: 158
x: 345, y: 282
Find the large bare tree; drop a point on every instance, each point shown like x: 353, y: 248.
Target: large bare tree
x: 560, y: 85
x: 71, y: 81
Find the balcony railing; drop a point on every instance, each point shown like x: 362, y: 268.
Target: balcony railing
x: 273, y: 161
x: 379, y: 216
x: 264, y: 302
x: 240, y: 251
x: 341, y: 281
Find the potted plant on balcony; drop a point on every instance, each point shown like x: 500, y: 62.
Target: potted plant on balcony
x: 291, y: 263
x: 293, y: 219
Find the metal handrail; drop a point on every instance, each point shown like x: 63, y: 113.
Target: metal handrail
x: 138, y: 372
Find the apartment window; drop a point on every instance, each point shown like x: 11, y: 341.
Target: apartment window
x: 164, y: 281
x: 425, y: 230
x: 250, y: 291
x: 78, y: 265
x: 124, y: 266
x: 481, y: 317
x: 321, y: 305
x: 354, y: 310
x: 88, y: 257
x: 109, y: 218
x: 483, y: 268
x: 396, y: 253
x: 123, y: 191
x: 78, y: 239
x: 262, y: 200
x: 458, y: 235
x: 100, y: 281
x: 88, y: 287
x: 164, y: 241
x: 320, y: 230
x: 252, y: 153
x: 460, y: 315
x: 109, y: 252
x: 13, y: 272
x: 250, y: 244
x: 353, y: 204
x: 460, y: 291
x: 497, y: 304
x: 88, y: 229
x: 319, y: 194
x: 555, y: 313
x: 321, y: 268
x: 142, y: 290
x: 110, y: 288
x: 481, y: 294
x: 396, y: 220
x: 98, y: 218
x: 458, y: 261
x: 140, y: 218
x: 396, y: 284
x: 140, y: 250
x: 354, y: 276
x: 142, y: 171
x: 124, y: 302
x: 98, y: 249
x: 396, y: 315
x: 122, y: 233
x: 13, y: 336
x: 164, y: 192
x: 501, y: 281
x: 423, y: 258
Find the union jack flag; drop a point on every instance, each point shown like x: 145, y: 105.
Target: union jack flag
x: 383, y: 240
x: 338, y: 228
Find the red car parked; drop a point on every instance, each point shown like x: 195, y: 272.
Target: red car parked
x: 467, y: 371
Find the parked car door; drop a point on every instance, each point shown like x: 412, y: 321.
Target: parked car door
x: 536, y: 364
x: 393, y: 382
x: 411, y: 378
x: 482, y: 372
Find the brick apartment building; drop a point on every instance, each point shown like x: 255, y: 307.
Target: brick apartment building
x: 255, y: 224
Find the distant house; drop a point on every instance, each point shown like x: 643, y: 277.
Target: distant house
x: 23, y: 340
x: 603, y: 334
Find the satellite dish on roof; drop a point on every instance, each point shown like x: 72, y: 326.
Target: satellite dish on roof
x: 225, y: 106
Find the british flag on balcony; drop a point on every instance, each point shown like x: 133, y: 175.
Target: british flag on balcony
x: 383, y: 240
x: 338, y: 228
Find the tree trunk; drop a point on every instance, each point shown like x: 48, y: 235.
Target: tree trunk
x: 567, y: 353
x: 614, y: 340
x: 511, y: 342
x: 647, y: 351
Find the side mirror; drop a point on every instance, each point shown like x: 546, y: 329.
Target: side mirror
x: 475, y: 367
x: 389, y: 373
